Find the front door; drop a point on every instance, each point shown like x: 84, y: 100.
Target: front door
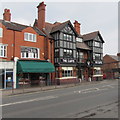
x: 8, y: 79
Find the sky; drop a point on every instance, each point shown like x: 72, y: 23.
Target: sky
x: 93, y: 16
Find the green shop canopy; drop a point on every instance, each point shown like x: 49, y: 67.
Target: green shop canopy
x: 35, y: 67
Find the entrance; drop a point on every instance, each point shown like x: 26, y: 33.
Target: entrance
x: 8, y: 79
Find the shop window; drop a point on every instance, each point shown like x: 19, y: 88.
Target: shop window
x: 67, y: 73
x: 29, y: 37
x: 97, y: 72
x: 3, y: 50
x: 27, y: 52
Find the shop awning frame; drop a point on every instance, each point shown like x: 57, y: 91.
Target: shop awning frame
x: 34, y: 66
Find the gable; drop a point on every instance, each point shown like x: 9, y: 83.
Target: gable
x: 99, y: 38
x: 109, y: 58
x: 29, y: 30
x: 68, y: 29
x: 33, y: 30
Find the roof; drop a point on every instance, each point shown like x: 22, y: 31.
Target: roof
x: 48, y: 28
x: 57, y: 26
x: 114, y: 57
x: 18, y: 27
x: 82, y: 45
x: 91, y: 36
x: 60, y: 26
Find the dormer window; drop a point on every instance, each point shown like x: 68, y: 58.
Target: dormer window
x: 29, y: 37
x: 1, y: 32
x: 79, y: 39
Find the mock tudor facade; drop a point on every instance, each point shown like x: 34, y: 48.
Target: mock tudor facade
x: 44, y: 44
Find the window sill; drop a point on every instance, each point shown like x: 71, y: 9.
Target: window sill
x: 30, y: 41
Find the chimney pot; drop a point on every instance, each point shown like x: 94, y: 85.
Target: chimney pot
x: 7, y: 15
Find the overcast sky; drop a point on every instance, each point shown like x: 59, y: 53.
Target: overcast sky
x: 93, y: 16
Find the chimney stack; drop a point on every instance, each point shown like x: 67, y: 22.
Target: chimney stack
x: 7, y: 15
x: 77, y: 26
x: 118, y: 54
x: 41, y: 16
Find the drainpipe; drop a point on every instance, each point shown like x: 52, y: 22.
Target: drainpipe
x: 15, y: 72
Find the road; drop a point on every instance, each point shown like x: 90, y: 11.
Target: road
x: 91, y: 100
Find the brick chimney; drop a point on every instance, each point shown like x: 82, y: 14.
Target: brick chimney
x: 77, y: 26
x: 41, y: 16
x: 118, y: 54
x: 7, y: 15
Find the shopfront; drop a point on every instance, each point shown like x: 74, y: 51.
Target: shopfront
x: 97, y: 73
x: 6, y: 75
x: 34, y: 72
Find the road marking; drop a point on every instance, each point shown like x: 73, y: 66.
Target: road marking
x: 37, y: 99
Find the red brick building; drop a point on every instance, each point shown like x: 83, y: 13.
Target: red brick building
x: 22, y: 42
x: 111, y: 66
x: 33, y: 50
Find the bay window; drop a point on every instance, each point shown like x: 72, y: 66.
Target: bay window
x: 28, y: 52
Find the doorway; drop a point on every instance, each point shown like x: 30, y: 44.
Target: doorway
x: 8, y: 79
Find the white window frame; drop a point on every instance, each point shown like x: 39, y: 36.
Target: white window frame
x: 30, y: 54
x: 30, y: 37
x: 65, y: 70
x: 4, y: 49
x: 97, y: 44
x: 79, y: 39
x: 1, y: 32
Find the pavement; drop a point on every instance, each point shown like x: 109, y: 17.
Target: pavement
x: 88, y: 100
x: 8, y: 92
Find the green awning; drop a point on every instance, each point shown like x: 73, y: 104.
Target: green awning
x: 35, y: 67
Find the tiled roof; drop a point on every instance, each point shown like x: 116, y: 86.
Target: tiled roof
x: 59, y: 26
x: 48, y: 28
x: 13, y: 26
x: 82, y: 45
x: 18, y: 27
x: 90, y: 36
x: 114, y: 57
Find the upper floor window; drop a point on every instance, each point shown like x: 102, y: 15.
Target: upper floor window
x: 27, y: 52
x: 97, y: 44
x: 67, y: 37
x: 96, y: 56
x: 68, y: 53
x: 30, y: 37
x: 56, y: 52
x: 79, y: 39
x: 1, y: 32
x: 3, y: 50
x: 81, y: 55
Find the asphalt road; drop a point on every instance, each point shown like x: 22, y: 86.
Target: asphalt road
x: 91, y: 100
